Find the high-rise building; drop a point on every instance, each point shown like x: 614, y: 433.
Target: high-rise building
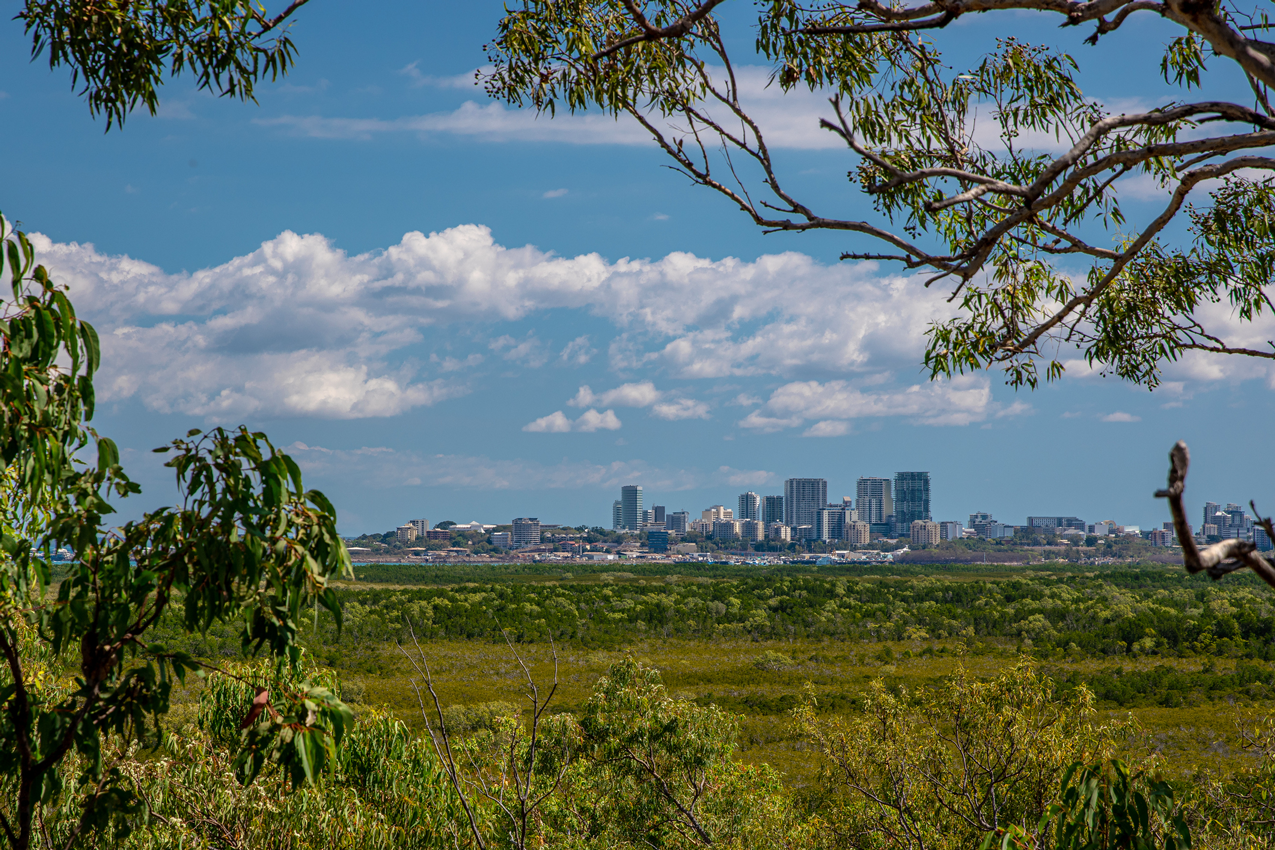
x: 678, y: 521
x: 1210, y: 510
x: 977, y: 517
x: 924, y: 532
x: 617, y: 515
x: 631, y: 507
x: 405, y: 533
x: 911, y: 498
x: 421, y: 525
x: 660, y: 514
x: 526, y: 532
x: 752, y: 530
x: 830, y: 523
x: 772, y: 509
x: 804, y: 498
x: 951, y: 530
x: 873, y: 497
x: 749, y: 506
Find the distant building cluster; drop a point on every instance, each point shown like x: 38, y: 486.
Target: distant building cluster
x: 881, y: 508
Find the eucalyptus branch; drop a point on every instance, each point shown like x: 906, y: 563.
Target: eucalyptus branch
x: 1220, y: 558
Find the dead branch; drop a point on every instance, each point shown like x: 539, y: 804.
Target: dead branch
x: 1221, y: 558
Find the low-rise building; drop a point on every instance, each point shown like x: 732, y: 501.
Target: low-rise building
x: 503, y: 539
x: 678, y: 521
x: 657, y: 540
x: 717, y: 512
x: 438, y: 534
x: 725, y: 529
x: 858, y: 533
x: 951, y: 530
x: 779, y: 532
x: 752, y: 530
x: 924, y: 532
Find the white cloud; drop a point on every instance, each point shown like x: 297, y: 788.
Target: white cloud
x: 956, y: 402
x: 641, y: 394
x: 300, y: 327
x: 412, y: 468
x: 682, y: 408
x: 828, y: 428
x: 555, y: 423
x: 554, y: 193
x: 453, y: 364
x: 578, y: 352
x: 1121, y: 416
x: 589, y: 421
x: 529, y: 351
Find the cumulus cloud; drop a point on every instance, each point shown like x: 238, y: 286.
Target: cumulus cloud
x: 1121, y: 416
x: 642, y: 394
x: 828, y: 428
x: 682, y: 408
x: 834, y: 405
x: 589, y: 421
x: 300, y: 327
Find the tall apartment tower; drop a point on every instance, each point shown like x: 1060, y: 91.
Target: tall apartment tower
x: 772, y: 509
x: 1210, y: 510
x: 749, y: 506
x: 804, y: 498
x: 631, y: 507
x: 526, y: 532
x: 617, y: 515
x: 911, y: 498
x: 660, y: 514
x: 872, y: 495
x: 421, y: 525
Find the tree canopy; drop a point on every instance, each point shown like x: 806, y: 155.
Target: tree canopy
x: 1032, y: 239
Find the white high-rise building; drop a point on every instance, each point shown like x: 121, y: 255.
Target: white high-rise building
x: 421, y: 525
x: 951, y: 530
x: 804, y: 498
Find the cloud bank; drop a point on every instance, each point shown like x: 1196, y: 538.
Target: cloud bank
x: 301, y: 328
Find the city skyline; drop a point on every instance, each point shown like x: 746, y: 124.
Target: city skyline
x: 497, y: 350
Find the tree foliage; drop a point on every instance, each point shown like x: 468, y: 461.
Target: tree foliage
x: 121, y: 53
x: 1027, y: 227
x: 248, y: 543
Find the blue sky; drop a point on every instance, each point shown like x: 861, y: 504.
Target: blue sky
x: 449, y: 309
